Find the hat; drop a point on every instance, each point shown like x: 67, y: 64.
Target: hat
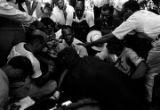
x: 93, y: 36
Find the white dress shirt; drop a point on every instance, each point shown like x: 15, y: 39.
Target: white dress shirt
x: 142, y: 21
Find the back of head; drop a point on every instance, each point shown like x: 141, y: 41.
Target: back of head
x: 47, y: 21
x: 35, y: 35
x: 22, y: 63
x: 131, y: 5
x: 36, y: 31
x: 68, y: 57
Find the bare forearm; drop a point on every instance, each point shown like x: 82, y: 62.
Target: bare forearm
x: 104, y: 39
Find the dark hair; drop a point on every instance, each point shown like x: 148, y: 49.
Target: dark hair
x: 36, y: 25
x: 66, y: 27
x: 132, y: 5
x: 30, y: 33
x: 68, y: 57
x: 83, y: 3
x: 115, y: 45
x: 31, y: 37
x: 47, y: 21
x: 107, y: 7
x: 22, y: 62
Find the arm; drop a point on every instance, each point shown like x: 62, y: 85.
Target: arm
x: 104, y: 39
x: 120, y: 32
x: 141, y: 66
x: 141, y: 69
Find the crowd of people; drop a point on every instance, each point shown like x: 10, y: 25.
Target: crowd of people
x: 79, y: 55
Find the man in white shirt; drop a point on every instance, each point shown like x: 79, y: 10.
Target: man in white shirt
x: 83, y: 21
x: 62, y: 13
x: 147, y: 25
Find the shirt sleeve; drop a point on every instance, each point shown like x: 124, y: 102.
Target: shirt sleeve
x: 90, y: 18
x: 126, y: 27
x: 69, y: 19
x: 134, y: 58
x: 12, y: 13
x: 53, y: 17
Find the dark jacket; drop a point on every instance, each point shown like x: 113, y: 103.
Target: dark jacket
x: 90, y: 77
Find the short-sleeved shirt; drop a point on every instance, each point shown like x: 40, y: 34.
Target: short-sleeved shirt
x: 59, y: 17
x: 20, y: 50
x: 124, y: 61
x: 142, y: 21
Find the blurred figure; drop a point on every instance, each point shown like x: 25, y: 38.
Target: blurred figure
x: 15, y: 71
x: 128, y: 61
x: 46, y: 10
x: 93, y: 78
x: 62, y: 13
x: 83, y: 21
x: 70, y: 41
x: 31, y: 7
x: 107, y: 22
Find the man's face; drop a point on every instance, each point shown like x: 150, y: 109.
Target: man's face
x: 47, y: 12
x: 68, y: 36
x: 105, y: 15
x: 79, y: 8
x: 60, y: 4
x: 126, y: 13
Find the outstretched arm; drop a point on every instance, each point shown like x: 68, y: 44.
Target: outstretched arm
x: 104, y: 39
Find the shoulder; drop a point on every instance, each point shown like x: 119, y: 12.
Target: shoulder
x: 69, y: 7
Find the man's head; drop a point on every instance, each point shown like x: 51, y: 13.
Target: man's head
x: 67, y: 34
x: 50, y: 26
x: 47, y: 10
x: 129, y: 8
x: 79, y: 8
x: 107, y: 12
x: 36, y: 36
x: 60, y: 4
x: 68, y: 57
x: 18, y: 68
